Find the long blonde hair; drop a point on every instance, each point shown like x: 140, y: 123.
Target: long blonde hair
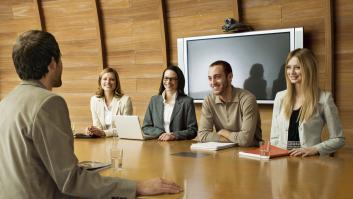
x: 309, y: 85
x: 117, y: 91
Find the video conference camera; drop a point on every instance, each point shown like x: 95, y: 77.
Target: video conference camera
x: 231, y: 25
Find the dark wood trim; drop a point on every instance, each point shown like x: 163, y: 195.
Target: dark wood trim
x: 164, y: 33
x: 39, y: 12
x: 100, y: 35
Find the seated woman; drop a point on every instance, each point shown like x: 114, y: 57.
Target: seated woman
x: 301, y: 111
x: 171, y: 114
x: 108, y: 101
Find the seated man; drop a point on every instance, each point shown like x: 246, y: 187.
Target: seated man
x: 36, y: 143
x: 232, y: 111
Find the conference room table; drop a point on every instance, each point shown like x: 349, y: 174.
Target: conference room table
x: 223, y: 174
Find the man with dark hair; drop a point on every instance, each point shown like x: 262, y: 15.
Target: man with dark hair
x: 227, y: 68
x: 36, y: 142
x: 232, y: 111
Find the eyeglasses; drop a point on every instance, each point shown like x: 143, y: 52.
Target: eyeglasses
x: 165, y: 79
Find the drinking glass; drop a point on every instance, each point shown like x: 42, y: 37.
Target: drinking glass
x: 116, y: 155
x: 264, y: 149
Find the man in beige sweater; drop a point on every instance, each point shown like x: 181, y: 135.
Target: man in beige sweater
x: 36, y: 143
x: 231, y: 111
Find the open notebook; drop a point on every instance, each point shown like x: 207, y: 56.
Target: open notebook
x: 211, y: 146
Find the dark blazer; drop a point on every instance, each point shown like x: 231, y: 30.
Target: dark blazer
x: 183, y: 120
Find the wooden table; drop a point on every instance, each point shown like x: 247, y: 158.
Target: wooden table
x: 223, y: 174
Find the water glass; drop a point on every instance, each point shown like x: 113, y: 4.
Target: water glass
x: 116, y: 154
x: 264, y: 148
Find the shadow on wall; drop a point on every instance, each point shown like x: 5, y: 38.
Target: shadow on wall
x: 256, y: 83
x: 279, y: 84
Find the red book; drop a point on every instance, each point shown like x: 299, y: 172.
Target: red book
x: 255, y: 153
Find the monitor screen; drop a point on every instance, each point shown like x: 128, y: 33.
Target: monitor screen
x: 257, y: 62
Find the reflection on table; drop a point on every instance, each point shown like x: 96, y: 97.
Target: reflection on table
x: 223, y: 174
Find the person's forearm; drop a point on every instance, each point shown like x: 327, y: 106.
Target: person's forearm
x: 208, y: 136
x: 242, y: 138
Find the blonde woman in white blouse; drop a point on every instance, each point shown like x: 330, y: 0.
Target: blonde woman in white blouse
x: 302, y: 110
x: 108, y: 101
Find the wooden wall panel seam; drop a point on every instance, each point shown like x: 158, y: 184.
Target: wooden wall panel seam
x: 164, y: 32
x: 329, y: 43
x: 39, y: 13
x: 236, y: 10
x: 100, y: 39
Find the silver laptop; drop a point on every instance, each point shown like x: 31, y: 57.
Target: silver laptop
x: 128, y: 127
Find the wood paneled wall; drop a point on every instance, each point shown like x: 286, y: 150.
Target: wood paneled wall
x: 135, y: 43
x: 343, y: 74
x: 138, y: 38
x: 75, y: 27
x: 195, y: 18
x: 15, y: 18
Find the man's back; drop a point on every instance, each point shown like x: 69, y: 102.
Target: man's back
x: 36, y: 142
x: 38, y: 158
x: 25, y: 174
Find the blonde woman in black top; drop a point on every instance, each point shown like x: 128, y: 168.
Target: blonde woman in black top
x: 301, y: 111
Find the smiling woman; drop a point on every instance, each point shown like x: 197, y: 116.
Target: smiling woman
x: 108, y: 101
x: 171, y: 114
x: 294, y: 71
x: 301, y: 111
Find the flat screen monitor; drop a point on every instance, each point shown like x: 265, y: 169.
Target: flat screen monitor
x: 257, y: 59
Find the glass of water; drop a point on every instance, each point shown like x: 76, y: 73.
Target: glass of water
x: 265, y: 148
x: 116, y: 155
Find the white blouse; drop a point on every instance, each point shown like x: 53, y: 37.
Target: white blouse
x: 168, y: 110
x: 108, y: 116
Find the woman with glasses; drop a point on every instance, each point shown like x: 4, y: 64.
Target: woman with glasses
x: 301, y: 111
x: 171, y: 114
x: 108, y: 101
